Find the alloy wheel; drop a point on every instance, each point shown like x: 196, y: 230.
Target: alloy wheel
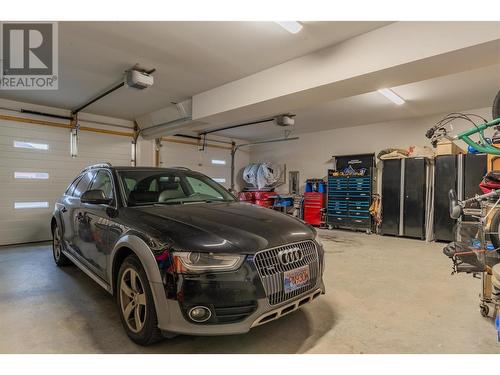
x: 57, y: 244
x: 133, y: 300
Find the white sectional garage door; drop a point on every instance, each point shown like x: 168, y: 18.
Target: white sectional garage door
x: 213, y: 162
x: 36, y: 172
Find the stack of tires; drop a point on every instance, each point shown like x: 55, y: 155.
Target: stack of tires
x: 264, y: 198
x: 260, y: 198
x: 246, y: 196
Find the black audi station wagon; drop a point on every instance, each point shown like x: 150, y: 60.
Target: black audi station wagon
x: 181, y: 255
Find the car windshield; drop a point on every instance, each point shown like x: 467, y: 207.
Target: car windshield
x: 146, y: 187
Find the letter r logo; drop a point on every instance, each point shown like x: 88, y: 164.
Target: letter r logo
x: 27, y: 48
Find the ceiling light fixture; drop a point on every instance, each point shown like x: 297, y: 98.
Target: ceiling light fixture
x: 392, y: 96
x: 291, y: 26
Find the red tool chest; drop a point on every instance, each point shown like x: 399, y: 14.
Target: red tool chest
x: 314, y: 202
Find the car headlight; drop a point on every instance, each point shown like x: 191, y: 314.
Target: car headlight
x: 206, y: 262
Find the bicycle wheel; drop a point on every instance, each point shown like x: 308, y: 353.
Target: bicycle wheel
x: 496, y: 106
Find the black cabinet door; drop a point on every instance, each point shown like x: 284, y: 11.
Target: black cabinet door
x: 445, y: 178
x: 475, y: 167
x: 391, y: 193
x: 474, y: 170
x: 414, y: 198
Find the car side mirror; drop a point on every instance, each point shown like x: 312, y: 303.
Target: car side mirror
x: 95, y: 197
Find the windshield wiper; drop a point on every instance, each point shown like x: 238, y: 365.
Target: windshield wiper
x: 167, y: 203
x: 195, y: 201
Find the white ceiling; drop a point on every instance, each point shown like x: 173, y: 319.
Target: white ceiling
x: 456, y: 92
x: 190, y: 57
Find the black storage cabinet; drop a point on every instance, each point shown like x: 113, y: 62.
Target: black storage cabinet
x: 415, y: 187
x: 391, y: 193
x: 463, y: 173
x: 403, y: 197
x: 475, y: 167
x: 445, y: 178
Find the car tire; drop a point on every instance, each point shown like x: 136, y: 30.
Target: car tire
x: 136, y: 304
x: 60, y: 259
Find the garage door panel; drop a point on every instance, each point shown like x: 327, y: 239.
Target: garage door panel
x: 25, y: 218
x: 33, y: 224
x: 33, y: 188
x: 36, y: 231
x: 84, y: 158
x: 30, y: 195
x: 65, y: 168
x: 25, y: 229
x: 62, y: 146
x: 56, y: 176
x: 174, y: 154
x: 19, y: 130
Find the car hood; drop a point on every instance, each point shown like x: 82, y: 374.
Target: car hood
x: 220, y: 227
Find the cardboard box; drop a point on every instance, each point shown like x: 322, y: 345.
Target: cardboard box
x: 446, y: 147
x: 494, y: 160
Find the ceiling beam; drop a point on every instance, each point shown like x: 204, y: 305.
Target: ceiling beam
x: 399, y: 53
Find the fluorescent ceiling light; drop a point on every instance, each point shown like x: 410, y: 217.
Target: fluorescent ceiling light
x: 291, y: 26
x: 392, y: 96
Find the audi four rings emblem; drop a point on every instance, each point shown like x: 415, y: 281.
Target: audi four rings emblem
x: 290, y: 256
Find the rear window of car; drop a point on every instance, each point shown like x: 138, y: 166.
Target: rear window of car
x: 83, y: 184
x: 71, y: 187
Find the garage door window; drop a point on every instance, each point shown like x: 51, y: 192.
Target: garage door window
x: 31, y: 145
x: 31, y: 175
x: 218, y: 162
x: 21, y: 205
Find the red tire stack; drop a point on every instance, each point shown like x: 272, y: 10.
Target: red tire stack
x: 260, y: 198
x: 246, y: 196
x: 264, y: 198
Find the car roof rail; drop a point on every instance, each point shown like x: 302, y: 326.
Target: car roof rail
x: 98, y: 165
x: 182, y: 168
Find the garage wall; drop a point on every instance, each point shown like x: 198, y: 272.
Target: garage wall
x: 311, y: 154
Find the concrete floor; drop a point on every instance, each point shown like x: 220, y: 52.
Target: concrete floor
x: 384, y: 295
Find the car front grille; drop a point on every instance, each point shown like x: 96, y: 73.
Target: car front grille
x: 271, y: 270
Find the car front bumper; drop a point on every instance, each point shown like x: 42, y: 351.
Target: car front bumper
x: 228, y: 295
x: 172, y: 319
